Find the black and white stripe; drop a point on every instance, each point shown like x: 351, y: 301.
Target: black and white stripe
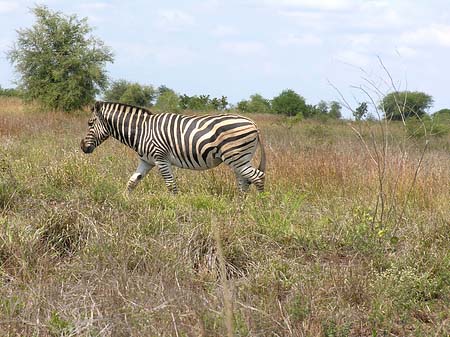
x: 192, y: 142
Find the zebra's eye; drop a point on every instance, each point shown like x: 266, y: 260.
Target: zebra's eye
x: 91, y: 122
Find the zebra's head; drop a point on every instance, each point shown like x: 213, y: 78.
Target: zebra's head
x: 97, y: 131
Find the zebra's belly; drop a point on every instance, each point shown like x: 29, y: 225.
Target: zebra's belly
x: 198, y: 165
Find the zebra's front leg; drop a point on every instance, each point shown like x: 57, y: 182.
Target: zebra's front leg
x: 141, y: 171
x: 165, y: 168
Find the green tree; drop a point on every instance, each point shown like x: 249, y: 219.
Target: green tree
x: 184, y: 101
x: 242, y: 105
x: 10, y: 92
x: 115, y: 90
x: 322, y: 108
x: 257, y: 103
x: 168, y: 101
x: 223, y: 103
x: 130, y: 93
x: 289, y: 103
x: 60, y: 64
x: 405, y: 104
x: 361, y: 111
x: 442, y: 112
x: 163, y: 89
x: 203, y: 102
x: 441, y: 119
x: 335, y: 110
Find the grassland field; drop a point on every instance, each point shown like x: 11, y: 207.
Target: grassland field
x: 314, y: 255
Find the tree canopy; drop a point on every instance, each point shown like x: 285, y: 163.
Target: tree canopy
x: 256, y: 103
x: 405, y: 104
x: 289, y: 103
x: 130, y: 93
x: 60, y: 64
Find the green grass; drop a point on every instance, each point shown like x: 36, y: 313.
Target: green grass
x: 305, y: 258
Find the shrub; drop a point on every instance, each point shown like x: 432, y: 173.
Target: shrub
x: 427, y: 126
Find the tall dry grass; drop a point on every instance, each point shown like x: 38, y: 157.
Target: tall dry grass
x: 306, y: 258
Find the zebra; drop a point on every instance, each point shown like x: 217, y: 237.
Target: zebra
x: 167, y: 139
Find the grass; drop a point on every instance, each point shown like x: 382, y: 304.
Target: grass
x: 305, y: 258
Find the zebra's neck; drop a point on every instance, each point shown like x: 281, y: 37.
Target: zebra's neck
x: 126, y: 123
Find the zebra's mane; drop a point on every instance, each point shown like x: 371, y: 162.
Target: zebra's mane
x: 103, y: 103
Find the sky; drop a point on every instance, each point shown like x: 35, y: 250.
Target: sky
x: 344, y: 50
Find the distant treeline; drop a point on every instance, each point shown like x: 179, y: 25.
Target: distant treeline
x: 288, y: 102
x: 10, y: 92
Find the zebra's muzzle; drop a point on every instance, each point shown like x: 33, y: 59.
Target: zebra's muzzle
x: 86, y: 149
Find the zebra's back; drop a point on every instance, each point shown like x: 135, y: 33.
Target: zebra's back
x: 203, y: 142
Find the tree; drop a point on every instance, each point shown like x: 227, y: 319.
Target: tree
x: 131, y: 93
x: 163, y: 89
x: 259, y: 104
x: 10, y: 92
x: 442, y: 117
x: 60, y: 64
x: 184, y: 101
x: 223, y: 103
x: 335, y: 110
x: 115, y: 90
x: 405, y: 104
x: 289, y: 103
x: 242, y: 106
x: 168, y: 101
x: 322, y: 108
x: 361, y: 111
x: 442, y: 112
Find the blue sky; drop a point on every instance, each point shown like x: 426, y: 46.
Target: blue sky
x: 238, y: 48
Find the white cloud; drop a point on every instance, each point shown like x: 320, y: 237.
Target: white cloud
x: 8, y: 6
x: 434, y: 34
x: 243, y: 48
x: 173, y: 20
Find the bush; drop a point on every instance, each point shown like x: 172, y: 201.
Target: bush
x: 289, y: 103
x: 427, y: 126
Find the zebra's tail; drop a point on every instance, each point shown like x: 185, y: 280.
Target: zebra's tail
x: 262, y: 164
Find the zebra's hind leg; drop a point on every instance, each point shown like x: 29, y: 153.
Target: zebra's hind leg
x: 252, y: 175
x: 165, y: 168
x: 243, y: 183
x: 141, y: 171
